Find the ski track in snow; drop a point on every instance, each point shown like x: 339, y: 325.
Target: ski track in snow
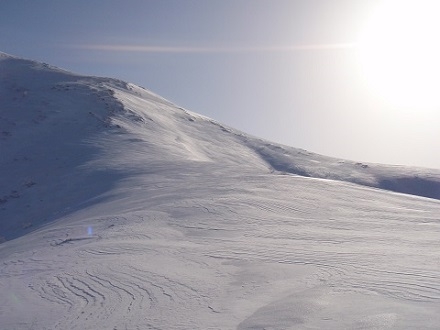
x: 173, y: 221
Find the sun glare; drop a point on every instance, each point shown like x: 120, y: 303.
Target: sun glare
x: 400, y: 52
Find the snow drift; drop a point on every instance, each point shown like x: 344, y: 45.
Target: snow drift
x: 129, y: 212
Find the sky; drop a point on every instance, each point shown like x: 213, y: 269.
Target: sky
x: 353, y: 79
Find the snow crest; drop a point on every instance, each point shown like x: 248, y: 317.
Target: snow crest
x: 120, y: 210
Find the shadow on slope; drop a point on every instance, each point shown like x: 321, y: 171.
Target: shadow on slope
x: 415, y: 185
x: 401, y: 179
x: 46, y: 120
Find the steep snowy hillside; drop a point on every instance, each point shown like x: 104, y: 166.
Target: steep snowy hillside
x: 131, y: 213
x: 65, y: 139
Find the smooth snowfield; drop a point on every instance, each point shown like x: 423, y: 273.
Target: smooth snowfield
x: 123, y: 211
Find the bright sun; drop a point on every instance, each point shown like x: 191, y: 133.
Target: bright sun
x: 400, y: 52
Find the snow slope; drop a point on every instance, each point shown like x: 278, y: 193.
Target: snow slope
x: 131, y: 213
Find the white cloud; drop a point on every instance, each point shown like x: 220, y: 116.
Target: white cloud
x: 210, y: 49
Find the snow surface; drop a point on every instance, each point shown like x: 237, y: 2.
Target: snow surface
x: 120, y: 210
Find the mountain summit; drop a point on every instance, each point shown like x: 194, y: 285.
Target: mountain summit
x: 120, y: 210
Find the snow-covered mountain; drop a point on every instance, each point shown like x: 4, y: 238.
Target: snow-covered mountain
x: 121, y: 210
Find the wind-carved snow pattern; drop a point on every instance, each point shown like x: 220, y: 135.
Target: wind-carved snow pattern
x: 131, y: 213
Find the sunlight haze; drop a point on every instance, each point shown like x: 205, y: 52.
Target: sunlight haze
x: 400, y: 52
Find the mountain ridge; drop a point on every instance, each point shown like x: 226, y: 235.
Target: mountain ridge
x: 121, y: 210
x: 93, y: 131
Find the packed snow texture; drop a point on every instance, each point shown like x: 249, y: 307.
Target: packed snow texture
x: 120, y: 210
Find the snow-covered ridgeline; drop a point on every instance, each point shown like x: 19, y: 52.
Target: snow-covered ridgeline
x: 144, y: 215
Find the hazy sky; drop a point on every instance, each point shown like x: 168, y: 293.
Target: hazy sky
x: 355, y: 79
